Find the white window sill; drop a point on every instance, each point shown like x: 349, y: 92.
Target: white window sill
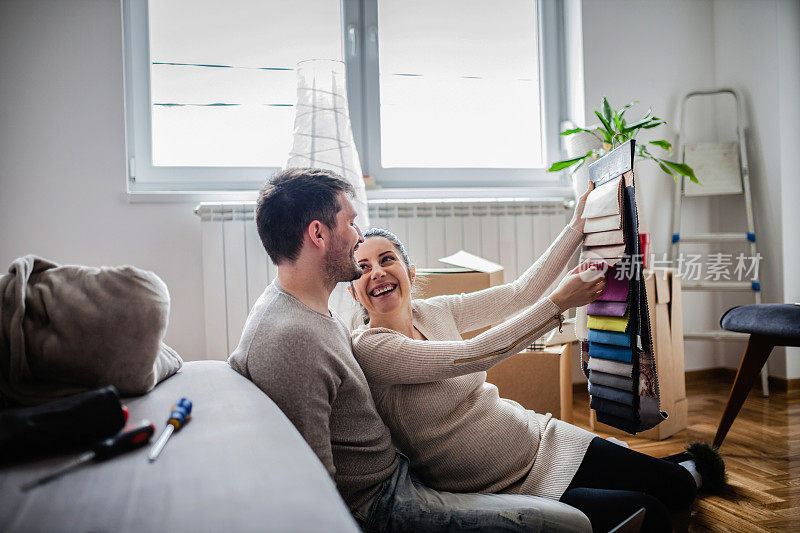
x: 376, y: 196
x: 190, y: 197
x: 469, y: 194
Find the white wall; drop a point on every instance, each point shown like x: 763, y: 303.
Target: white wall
x: 750, y: 65
x: 757, y: 50
x: 62, y: 157
x: 653, y: 51
x: 789, y: 133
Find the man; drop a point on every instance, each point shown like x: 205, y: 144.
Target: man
x: 299, y: 353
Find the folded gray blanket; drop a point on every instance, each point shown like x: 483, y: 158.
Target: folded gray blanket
x: 67, y: 329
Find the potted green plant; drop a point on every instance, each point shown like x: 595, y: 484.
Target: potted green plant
x: 614, y: 129
x: 588, y: 145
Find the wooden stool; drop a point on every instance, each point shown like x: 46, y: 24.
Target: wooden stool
x: 769, y: 325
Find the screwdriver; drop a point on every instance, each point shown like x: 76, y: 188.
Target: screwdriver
x: 180, y: 415
x: 125, y: 440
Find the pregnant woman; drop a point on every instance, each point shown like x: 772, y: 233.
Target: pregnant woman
x: 430, y: 388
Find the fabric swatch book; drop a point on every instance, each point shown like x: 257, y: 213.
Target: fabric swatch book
x: 617, y: 342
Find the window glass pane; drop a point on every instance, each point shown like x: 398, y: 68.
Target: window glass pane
x: 459, y: 83
x: 222, y: 76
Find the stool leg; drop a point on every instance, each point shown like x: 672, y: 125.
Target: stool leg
x: 756, y: 354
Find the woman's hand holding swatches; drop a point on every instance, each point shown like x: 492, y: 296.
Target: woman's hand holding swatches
x: 582, y: 285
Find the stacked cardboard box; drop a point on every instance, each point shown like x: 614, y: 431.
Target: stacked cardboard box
x: 540, y: 380
x: 470, y: 273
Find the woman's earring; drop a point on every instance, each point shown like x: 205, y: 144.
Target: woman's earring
x: 352, y: 293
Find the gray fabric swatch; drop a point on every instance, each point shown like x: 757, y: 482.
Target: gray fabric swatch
x: 616, y: 409
x: 611, y: 380
x: 649, y: 413
x: 608, y: 393
x: 611, y: 367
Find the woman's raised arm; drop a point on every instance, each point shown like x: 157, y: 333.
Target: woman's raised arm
x: 388, y: 357
x: 483, y: 308
x: 479, y: 309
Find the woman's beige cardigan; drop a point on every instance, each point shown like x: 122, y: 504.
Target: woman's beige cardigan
x: 459, y: 435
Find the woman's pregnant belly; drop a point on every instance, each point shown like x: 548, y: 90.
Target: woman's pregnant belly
x: 460, y: 435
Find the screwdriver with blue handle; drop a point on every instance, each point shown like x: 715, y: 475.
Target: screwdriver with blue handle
x: 180, y: 415
x: 128, y: 439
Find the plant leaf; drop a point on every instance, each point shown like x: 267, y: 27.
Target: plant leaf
x: 561, y: 165
x: 653, y: 125
x: 574, y: 170
x: 682, y: 169
x: 574, y: 130
x: 664, y: 167
x: 609, y: 133
x: 626, y: 107
x: 640, y: 124
x: 606, y: 110
x: 662, y: 144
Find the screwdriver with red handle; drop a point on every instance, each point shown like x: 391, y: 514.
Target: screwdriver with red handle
x: 128, y: 439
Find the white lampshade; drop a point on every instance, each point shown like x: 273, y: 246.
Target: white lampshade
x: 323, y: 137
x: 576, y: 145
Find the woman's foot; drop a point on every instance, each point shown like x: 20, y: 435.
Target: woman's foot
x: 705, y: 464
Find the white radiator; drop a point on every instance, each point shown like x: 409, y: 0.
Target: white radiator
x: 236, y: 268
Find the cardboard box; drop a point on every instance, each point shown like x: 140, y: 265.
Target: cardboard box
x: 436, y: 281
x: 666, y: 323
x: 537, y: 380
x: 469, y: 274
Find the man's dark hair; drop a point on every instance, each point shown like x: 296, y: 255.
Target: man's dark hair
x: 290, y: 201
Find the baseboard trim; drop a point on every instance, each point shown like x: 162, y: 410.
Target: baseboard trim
x: 728, y: 375
x: 724, y: 375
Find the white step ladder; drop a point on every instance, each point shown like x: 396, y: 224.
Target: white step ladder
x: 726, y: 172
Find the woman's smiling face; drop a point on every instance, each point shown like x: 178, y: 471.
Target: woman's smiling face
x: 384, y: 287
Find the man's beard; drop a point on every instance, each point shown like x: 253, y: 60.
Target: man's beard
x: 340, y: 263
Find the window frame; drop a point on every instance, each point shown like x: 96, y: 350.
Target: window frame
x: 142, y: 175
x: 359, y: 31
x: 364, y: 96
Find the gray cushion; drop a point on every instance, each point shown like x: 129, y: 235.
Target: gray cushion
x: 774, y: 320
x: 66, y: 329
x: 239, y: 465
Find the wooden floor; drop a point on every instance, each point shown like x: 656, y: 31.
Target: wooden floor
x: 761, y: 451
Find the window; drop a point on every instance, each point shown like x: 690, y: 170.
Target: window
x: 442, y: 92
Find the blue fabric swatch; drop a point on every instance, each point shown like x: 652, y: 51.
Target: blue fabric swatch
x: 610, y: 337
x: 608, y: 351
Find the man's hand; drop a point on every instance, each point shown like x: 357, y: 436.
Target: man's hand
x: 577, y: 222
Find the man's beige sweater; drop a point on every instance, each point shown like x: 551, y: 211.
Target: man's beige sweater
x: 458, y: 433
x: 304, y: 362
